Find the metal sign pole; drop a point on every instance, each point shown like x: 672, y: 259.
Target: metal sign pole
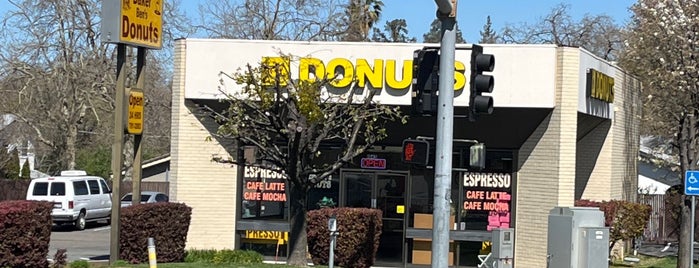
x: 691, y: 233
x: 691, y: 188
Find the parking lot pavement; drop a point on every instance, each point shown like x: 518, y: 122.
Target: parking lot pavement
x: 89, y: 244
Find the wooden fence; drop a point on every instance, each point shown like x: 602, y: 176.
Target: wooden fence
x: 17, y: 189
x: 659, y: 228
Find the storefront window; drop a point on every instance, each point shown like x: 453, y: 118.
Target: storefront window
x: 264, y: 194
x: 324, y: 194
x: 486, y: 196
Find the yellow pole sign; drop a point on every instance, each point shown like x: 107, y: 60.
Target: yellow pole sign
x: 134, y: 124
x: 133, y: 22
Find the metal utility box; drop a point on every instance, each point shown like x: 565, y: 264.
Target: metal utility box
x: 594, y: 247
x: 503, y: 247
x: 568, y: 234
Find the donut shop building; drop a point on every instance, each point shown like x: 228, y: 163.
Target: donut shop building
x: 565, y: 127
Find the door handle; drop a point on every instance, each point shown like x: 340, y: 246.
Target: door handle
x: 373, y: 203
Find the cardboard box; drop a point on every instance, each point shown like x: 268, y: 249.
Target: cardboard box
x: 422, y: 248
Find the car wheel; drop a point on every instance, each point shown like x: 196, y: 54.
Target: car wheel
x: 80, y: 222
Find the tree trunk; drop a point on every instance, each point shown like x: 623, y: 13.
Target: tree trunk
x: 298, y: 240
x: 71, y: 141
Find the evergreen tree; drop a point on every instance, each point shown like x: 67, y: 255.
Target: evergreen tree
x: 25, y: 171
x: 488, y: 35
x: 4, y: 160
x: 395, y: 31
x: 434, y: 35
x: 12, y: 166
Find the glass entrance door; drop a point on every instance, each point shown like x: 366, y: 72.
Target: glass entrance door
x: 384, y: 191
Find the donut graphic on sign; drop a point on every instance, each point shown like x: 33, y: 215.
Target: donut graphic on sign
x: 157, y: 7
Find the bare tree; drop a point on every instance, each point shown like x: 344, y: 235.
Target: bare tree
x: 289, y: 121
x: 55, y: 72
x: 662, y: 50
x: 598, y: 33
x: 270, y: 19
x: 57, y: 78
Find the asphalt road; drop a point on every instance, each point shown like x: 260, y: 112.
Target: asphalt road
x: 89, y: 244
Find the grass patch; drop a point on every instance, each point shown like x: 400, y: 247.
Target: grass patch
x: 190, y: 265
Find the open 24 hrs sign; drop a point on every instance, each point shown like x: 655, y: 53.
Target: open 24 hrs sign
x: 134, y: 124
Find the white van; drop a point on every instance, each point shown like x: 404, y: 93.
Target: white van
x: 77, y: 198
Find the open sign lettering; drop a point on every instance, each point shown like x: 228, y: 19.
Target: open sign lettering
x: 373, y: 163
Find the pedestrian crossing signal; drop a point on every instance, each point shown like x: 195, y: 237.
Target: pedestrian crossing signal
x: 416, y: 152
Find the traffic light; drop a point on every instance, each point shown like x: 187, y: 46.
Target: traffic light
x: 480, y: 83
x: 416, y: 152
x: 425, y: 81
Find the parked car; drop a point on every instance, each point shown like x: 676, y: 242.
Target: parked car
x: 146, y: 197
x: 77, y: 198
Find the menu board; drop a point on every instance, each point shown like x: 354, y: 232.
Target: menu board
x: 487, y: 201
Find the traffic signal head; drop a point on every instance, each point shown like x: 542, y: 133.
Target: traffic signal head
x: 416, y: 152
x: 425, y: 81
x: 481, y: 83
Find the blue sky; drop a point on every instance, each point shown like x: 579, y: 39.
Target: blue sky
x: 471, y: 14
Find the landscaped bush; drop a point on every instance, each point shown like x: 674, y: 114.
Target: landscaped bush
x: 166, y: 223
x: 25, y: 231
x: 358, y: 240
x: 224, y: 256
x: 626, y: 220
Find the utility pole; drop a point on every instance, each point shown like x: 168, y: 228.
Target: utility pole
x: 445, y: 126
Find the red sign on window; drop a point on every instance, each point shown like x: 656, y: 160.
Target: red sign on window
x: 373, y: 163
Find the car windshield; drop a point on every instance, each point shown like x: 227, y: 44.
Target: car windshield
x: 128, y: 197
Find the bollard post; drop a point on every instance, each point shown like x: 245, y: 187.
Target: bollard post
x: 152, y: 260
x: 332, y: 226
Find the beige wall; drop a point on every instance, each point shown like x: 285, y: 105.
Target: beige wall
x: 594, y: 163
x: 625, y: 136
x: 205, y: 185
x: 546, y: 176
x: 574, y: 156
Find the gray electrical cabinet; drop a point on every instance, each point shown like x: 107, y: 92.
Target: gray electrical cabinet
x: 577, y: 238
x: 503, y: 247
x: 594, y: 247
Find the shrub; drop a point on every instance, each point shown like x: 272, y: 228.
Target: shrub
x: 200, y: 255
x: 26, y: 231
x: 358, y: 240
x: 224, y: 256
x: 626, y: 220
x: 80, y: 264
x: 166, y: 223
x: 60, y: 259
